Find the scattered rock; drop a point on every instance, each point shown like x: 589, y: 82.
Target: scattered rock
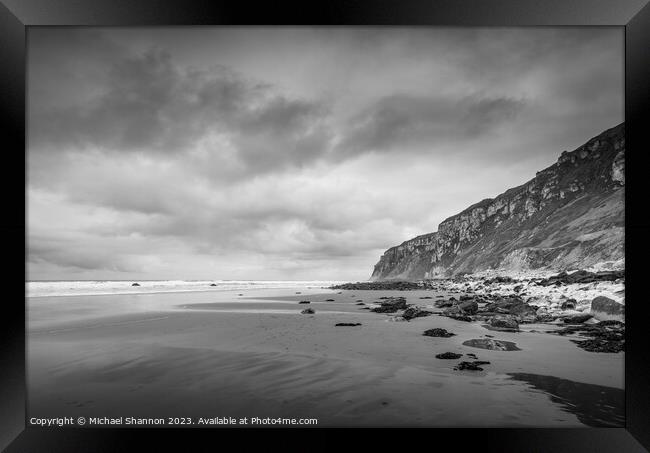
x: 606, y: 336
x: 390, y: 305
x: 383, y: 285
x: 493, y: 345
x: 448, y: 355
x: 581, y: 277
x: 469, y: 366
x: 347, y: 324
x: 438, y: 333
x: 415, y: 312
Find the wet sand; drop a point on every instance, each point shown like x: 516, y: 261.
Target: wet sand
x: 225, y: 355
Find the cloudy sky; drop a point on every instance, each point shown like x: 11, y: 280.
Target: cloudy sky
x: 289, y: 153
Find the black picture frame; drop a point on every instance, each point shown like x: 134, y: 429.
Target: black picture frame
x: 16, y: 15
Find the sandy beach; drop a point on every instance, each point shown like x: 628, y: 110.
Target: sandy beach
x: 254, y: 354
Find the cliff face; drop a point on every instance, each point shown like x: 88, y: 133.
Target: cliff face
x: 571, y: 215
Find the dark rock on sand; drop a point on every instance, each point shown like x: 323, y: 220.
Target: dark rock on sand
x: 390, y: 305
x: 606, y: 336
x: 415, y: 312
x: 213, y: 284
x: 308, y: 311
x: 470, y: 366
x: 577, y: 319
x: 493, y: 345
x: 442, y: 333
x: 381, y: 285
x: 347, y: 324
x: 135, y: 284
x: 448, y: 355
x: 604, y: 308
x: 504, y: 322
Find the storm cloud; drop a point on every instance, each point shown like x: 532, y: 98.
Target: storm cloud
x: 286, y: 152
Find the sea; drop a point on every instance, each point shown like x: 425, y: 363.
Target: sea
x: 51, y: 288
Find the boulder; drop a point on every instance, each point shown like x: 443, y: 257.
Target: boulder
x: 469, y: 307
x: 604, y: 308
x: 504, y: 322
x: 577, y: 319
x: 569, y: 304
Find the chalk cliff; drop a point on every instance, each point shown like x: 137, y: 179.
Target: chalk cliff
x: 570, y: 215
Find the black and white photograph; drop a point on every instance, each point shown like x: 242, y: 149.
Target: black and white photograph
x: 288, y: 227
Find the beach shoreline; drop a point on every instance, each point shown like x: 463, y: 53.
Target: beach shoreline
x: 255, y: 354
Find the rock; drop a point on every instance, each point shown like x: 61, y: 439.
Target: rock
x: 426, y: 297
x: 493, y: 345
x: 518, y: 288
x: 135, y: 284
x: 443, y: 303
x: 390, y: 305
x: 470, y: 366
x: 213, y: 284
x: 582, y: 277
x: 347, y: 324
x: 240, y: 294
x: 604, y: 308
x: 304, y: 302
x: 330, y: 300
x: 569, y: 304
x: 308, y: 311
x: 359, y: 303
x: 504, y: 322
x: 415, y: 312
x: 448, y: 355
x: 577, y: 319
x: 359, y: 300
x: 437, y: 332
x: 469, y: 307
x: 298, y: 292
x: 606, y: 336
x: 381, y: 285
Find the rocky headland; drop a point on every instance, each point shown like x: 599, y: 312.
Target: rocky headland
x: 569, y: 216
